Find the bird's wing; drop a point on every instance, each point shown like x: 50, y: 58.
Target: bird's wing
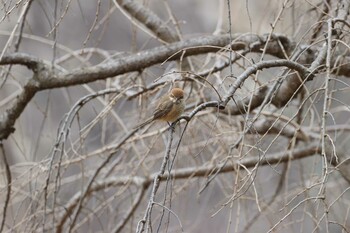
x: 163, y: 108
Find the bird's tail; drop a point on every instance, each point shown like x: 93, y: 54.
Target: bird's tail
x: 149, y: 120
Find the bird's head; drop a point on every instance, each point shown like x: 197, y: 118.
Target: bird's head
x: 177, y: 94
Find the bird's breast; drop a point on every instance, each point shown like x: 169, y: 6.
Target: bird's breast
x: 175, y: 112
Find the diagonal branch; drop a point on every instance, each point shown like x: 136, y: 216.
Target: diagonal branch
x: 150, y: 20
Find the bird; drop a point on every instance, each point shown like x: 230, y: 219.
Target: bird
x: 169, y: 108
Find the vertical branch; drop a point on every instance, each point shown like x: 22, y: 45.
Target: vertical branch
x: 230, y: 32
x: 170, y: 179
x: 54, y: 47
x: 156, y: 182
x: 9, y: 181
x: 326, y: 102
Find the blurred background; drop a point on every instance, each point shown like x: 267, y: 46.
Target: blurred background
x: 55, y: 151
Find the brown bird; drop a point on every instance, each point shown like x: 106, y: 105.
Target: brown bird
x: 170, y: 107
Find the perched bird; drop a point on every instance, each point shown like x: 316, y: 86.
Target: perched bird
x: 170, y: 107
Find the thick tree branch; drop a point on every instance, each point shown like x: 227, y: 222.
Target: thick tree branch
x: 46, y: 77
x: 174, y: 51
x: 8, y: 176
x: 150, y: 20
x: 8, y: 119
x: 27, y: 60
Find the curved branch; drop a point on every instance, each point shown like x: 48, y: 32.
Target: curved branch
x: 147, y: 58
x: 302, y: 70
x: 8, y: 119
x: 21, y: 59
